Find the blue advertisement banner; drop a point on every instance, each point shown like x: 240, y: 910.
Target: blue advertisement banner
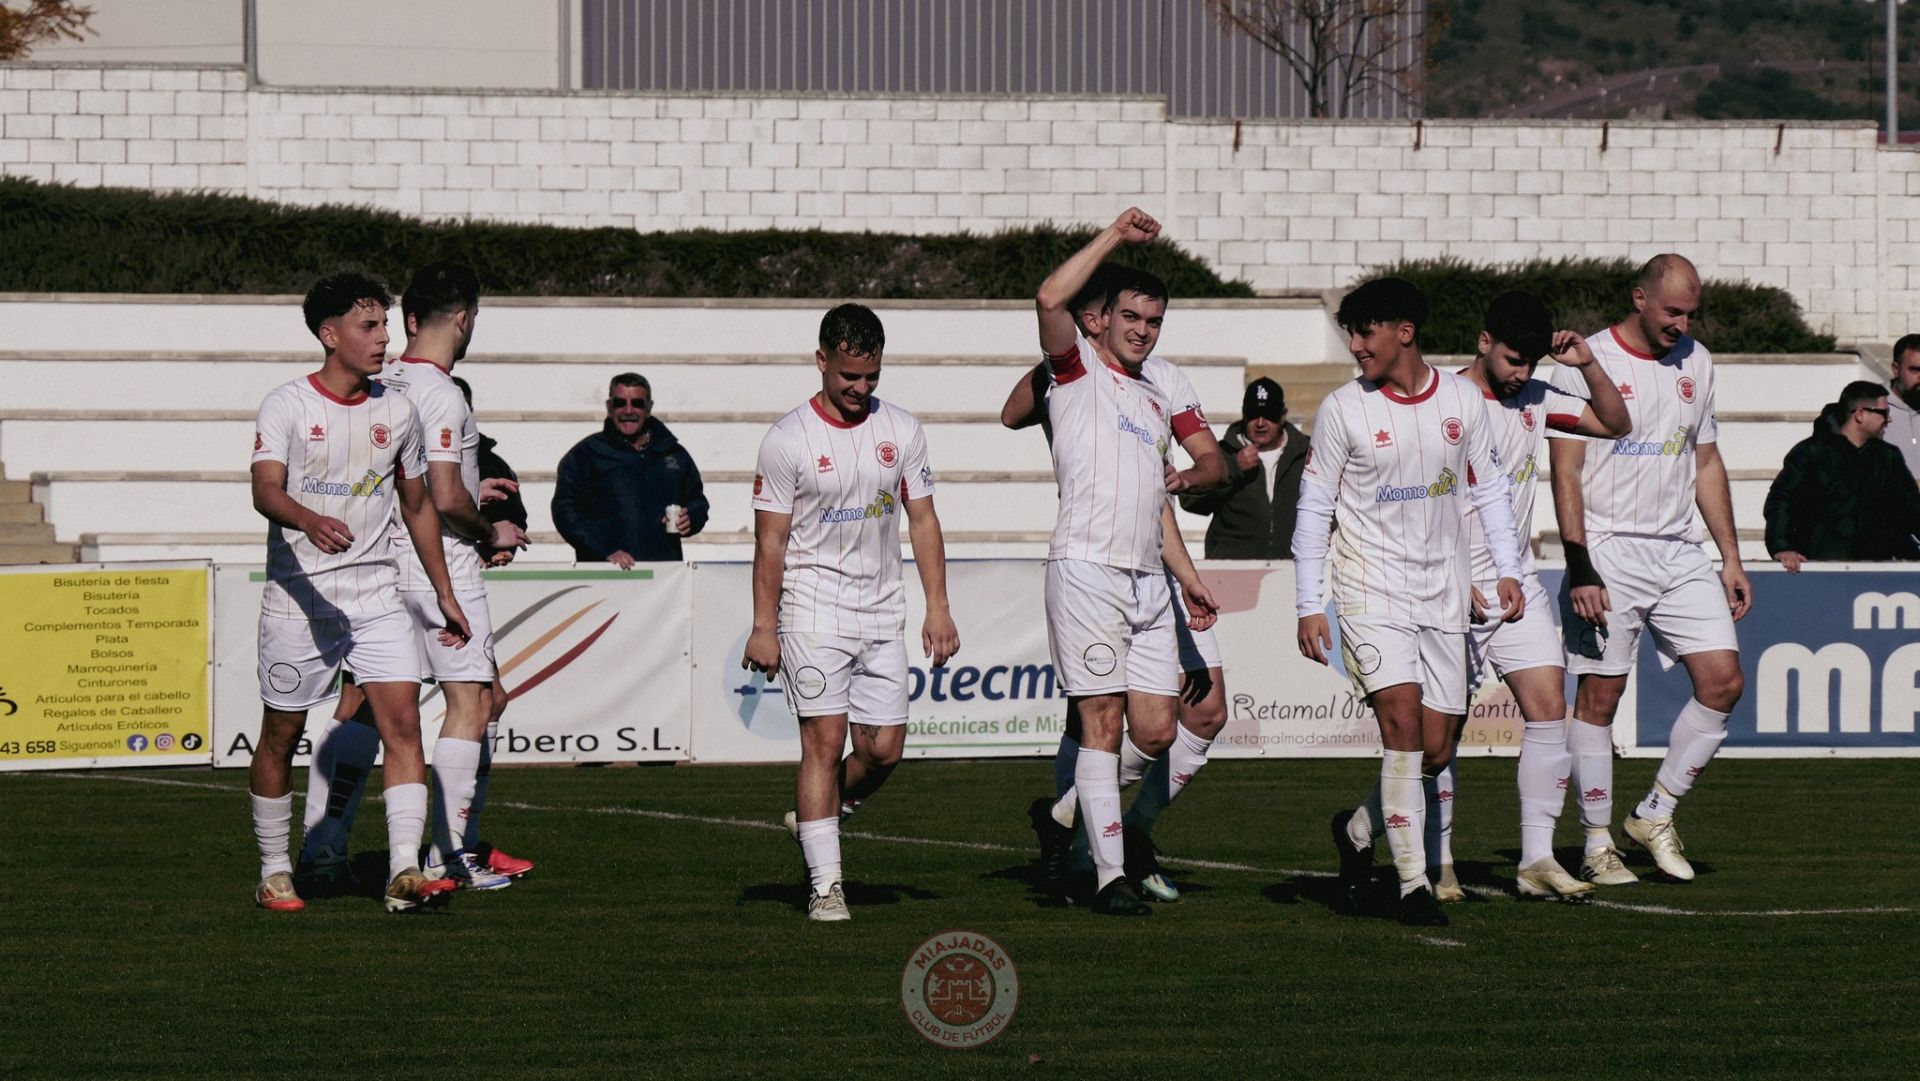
x: 1830, y: 656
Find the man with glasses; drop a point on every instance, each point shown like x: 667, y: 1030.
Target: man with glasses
x: 1843, y: 492
x: 630, y: 492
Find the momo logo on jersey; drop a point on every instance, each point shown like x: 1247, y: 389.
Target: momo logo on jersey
x: 1446, y: 485
x: 1830, y: 687
x: 1526, y: 472
x: 1133, y: 429
x: 1673, y: 446
x: 881, y: 507
x: 370, y: 486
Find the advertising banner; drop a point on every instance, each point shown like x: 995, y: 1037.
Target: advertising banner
x: 104, y: 666
x: 1830, y: 658
x: 998, y: 697
x: 594, y: 661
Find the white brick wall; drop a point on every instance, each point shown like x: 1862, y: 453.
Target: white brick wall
x: 1287, y: 206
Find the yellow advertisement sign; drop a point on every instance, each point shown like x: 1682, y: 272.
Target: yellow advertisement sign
x: 103, y: 666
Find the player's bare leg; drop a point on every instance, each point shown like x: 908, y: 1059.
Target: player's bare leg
x: 1543, y: 777
x: 876, y: 751
x: 1201, y: 712
x: 1695, y: 739
x: 1590, y: 740
x: 816, y: 801
x: 270, y: 783
x: 1438, y: 784
x: 396, y: 713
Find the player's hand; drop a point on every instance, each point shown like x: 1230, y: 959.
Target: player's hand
x: 1314, y: 637
x: 1247, y: 458
x: 1790, y: 560
x: 1195, y: 686
x: 762, y: 654
x: 939, y: 637
x: 1592, y: 604
x: 621, y: 560
x: 1202, y: 610
x: 1513, y: 600
x: 330, y: 535
x: 457, y: 633
x: 507, y: 537
x: 1739, y: 590
x: 497, y: 489
x: 1135, y: 226
x: 1176, y: 483
x: 682, y: 524
x: 1476, y: 606
x: 500, y: 558
x: 1570, y: 350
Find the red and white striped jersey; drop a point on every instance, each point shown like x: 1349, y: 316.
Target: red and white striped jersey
x: 1518, y: 427
x: 845, y: 486
x: 1111, y: 432
x: 1398, y: 470
x: 1642, y: 484
x: 343, y: 458
x: 450, y: 435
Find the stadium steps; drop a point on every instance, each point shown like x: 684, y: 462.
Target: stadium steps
x: 1304, y: 386
x: 25, y: 534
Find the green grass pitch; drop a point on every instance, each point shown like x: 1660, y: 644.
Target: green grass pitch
x: 661, y: 936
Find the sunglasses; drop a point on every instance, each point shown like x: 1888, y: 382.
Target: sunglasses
x: 642, y: 404
x: 1884, y: 413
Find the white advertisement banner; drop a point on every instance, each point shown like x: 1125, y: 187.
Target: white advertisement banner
x: 594, y: 662
x: 998, y: 697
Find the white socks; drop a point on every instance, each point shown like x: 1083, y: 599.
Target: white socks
x: 1438, y: 790
x: 1168, y: 776
x: 470, y: 838
x: 1096, y: 777
x: 456, y: 769
x: 1545, y: 766
x: 272, y: 827
x: 1133, y: 762
x: 1592, y: 749
x: 406, y: 821
x: 820, y: 847
x: 1696, y: 738
x: 1403, y: 803
x: 1365, y: 824
x: 336, y: 779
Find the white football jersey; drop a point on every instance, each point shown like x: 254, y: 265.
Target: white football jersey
x: 1642, y: 483
x: 1518, y: 427
x: 1398, y: 469
x: 343, y: 458
x: 450, y: 435
x: 845, y: 487
x: 1111, y: 431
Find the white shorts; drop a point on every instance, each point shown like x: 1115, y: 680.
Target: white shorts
x: 473, y: 663
x: 1381, y: 653
x: 1111, y: 630
x: 1532, y: 642
x: 1660, y: 583
x: 823, y: 675
x: 300, y: 659
x: 1199, y: 650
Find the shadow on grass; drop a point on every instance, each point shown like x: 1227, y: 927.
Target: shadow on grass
x: 859, y: 894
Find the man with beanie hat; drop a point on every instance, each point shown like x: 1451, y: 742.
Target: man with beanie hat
x: 1253, y: 512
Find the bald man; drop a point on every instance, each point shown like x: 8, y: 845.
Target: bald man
x: 1635, y: 561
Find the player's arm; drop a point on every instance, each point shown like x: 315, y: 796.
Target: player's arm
x: 770, y: 532
x: 270, y: 498
x: 423, y: 528
x: 1024, y: 407
x: 1492, y: 494
x: 1057, y: 332
x: 1714, y: 496
x: 1201, y: 608
x: 938, y: 636
x: 1587, y: 591
x: 1313, y: 529
x: 1606, y: 413
x: 1209, y: 468
x: 456, y: 508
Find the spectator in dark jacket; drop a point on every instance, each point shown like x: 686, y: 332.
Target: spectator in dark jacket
x: 615, y: 488
x: 499, y: 502
x: 1844, y: 493
x: 1253, y: 512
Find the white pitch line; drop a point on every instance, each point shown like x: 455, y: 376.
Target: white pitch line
x: 1435, y: 940
x: 983, y: 846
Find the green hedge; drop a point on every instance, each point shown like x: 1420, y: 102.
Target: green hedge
x: 60, y: 239
x: 1587, y: 294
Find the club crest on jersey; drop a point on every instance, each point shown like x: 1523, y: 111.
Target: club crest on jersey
x: 258, y: 442
x: 1526, y: 418
x: 1686, y: 389
x: 759, y: 482
x: 1450, y: 430
x: 824, y: 465
x: 888, y: 454
x: 446, y: 438
x: 316, y: 434
x: 380, y: 435
x: 1383, y: 438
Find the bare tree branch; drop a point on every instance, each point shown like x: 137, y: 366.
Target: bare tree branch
x: 22, y: 26
x: 1338, y: 50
